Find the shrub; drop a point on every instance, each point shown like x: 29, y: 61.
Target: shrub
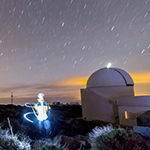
x: 109, y: 138
x: 11, y: 142
x: 46, y: 144
x: 17, y: 127
x: 50, y: 147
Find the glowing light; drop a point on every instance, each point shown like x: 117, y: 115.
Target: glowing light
x: 130, y: 115
x: 25, y: 116
x: 42, y: 113
x: 41, y: 109
x: 112, y: 28
x: 62, y: 24
x: 143, y: 51
x: 126, y: 115
x: 40, y: 96
x: 109, y: 65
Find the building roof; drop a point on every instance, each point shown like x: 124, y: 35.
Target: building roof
x: 141, y: 101
x: 109, y: 77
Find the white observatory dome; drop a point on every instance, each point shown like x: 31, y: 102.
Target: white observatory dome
x: 109, y: 77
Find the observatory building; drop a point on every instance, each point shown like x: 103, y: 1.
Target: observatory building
x: 109, y: 96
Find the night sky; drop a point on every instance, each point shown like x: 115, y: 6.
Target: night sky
x: 53, y: 46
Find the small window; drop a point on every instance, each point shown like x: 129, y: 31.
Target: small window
x: 130, y: 115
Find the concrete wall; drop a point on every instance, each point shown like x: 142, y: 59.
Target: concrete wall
x: 96, y: 107
x: 134, y: 101
x: 108, y: 103
x: 114, y: 92
x: 131, y: 122
x: 100, y: 103
x: 137, y: 104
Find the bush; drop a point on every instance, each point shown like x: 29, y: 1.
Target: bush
x: 46, y: 144
x: 11, y: 142
x: 109, y: 138
x: 17, y: 127
x: 50, y: 147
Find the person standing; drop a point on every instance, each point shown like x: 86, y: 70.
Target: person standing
x: 42, y: 110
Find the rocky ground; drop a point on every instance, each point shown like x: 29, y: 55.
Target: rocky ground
x: 66, y: 123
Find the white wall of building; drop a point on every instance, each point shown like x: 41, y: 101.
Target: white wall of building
x: 96, y: 107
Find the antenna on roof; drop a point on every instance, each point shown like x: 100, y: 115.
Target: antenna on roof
x: 109, y: 65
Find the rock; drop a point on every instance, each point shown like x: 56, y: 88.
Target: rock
x: 67, y: 142
x: 80, y: 137
x: 37, y: 144
x: 83, y: 140
x: 144, y: 119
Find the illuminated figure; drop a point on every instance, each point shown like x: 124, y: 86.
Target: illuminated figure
x: 41, y: 110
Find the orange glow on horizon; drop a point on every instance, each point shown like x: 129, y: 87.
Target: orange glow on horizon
x: 141, y: 83
x: 141, y: 77
x: 72, y: 87
x: 79, y: 81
